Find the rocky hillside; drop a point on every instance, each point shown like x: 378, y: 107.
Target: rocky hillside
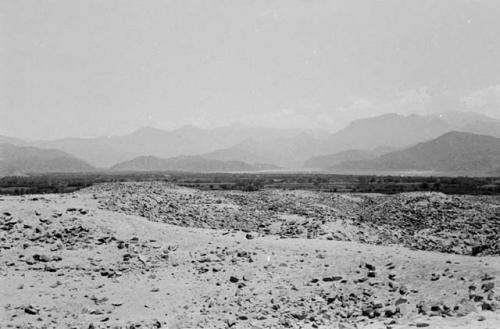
x: 23, y: 159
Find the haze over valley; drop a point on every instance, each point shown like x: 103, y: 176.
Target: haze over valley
x: 245, y: 148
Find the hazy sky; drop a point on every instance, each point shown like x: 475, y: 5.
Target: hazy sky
x: 87, y: 68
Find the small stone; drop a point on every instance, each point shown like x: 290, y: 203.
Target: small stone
x: 477, y: 298
x: 488, y: 286
x: 30, y: 309
x: 41, y: 258
x: 487, y: 306
x: 344, y: 325
x: 50, y: 268
x: 487, y: 277
x: 370, y: 267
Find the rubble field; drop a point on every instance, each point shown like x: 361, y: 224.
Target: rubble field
x: 154, y: 255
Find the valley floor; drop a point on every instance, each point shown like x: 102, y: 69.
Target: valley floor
x: 161, y: 256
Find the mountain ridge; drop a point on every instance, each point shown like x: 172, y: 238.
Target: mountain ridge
x: 28, y: 159
x: 282, y: 147
x: 452, y: 151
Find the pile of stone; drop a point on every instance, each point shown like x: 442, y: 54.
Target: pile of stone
x: 464, y: 225
x: 259, y: 212
x: 467, y: 225
x: 39, y: 241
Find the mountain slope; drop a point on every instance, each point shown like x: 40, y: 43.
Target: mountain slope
x: 106, y: 151
x: 187, y: 163
x: 21, y: 159
x: 391, y: 130
x: 453, y: 151
x: 329, y: 160
x: 458, y: 119
x: 282, y: 151
x: 12, y: 141
x: 490, y: 128
x: 237, y: 153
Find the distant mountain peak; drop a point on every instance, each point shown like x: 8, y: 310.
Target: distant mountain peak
x: 461, y: 135
x: 26, y: 159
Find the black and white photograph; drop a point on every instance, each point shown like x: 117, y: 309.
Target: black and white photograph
x: 250, y: 164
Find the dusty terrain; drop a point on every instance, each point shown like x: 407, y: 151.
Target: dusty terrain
x: 154, y: 255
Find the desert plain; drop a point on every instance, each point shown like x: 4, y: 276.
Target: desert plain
x: 155, y: 255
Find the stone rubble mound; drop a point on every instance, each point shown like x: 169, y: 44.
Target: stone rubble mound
x: 463, y: 225
x: 466, y: 225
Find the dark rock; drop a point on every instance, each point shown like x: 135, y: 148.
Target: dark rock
x: 486, y: 306
x: 488, y: 286
x: 30, y: 309
x: 299, y: 316
x: 50, y: 268
x: 41, y: 258
x: 370, y: 267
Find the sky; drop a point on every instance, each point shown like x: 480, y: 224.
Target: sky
x: 98, y: 68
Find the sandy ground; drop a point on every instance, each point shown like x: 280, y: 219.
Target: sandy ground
x: 159, y: 275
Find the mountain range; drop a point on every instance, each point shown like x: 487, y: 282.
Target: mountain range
x: 240, y: 146
x: 187, y: 140
x: 364, y: 137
